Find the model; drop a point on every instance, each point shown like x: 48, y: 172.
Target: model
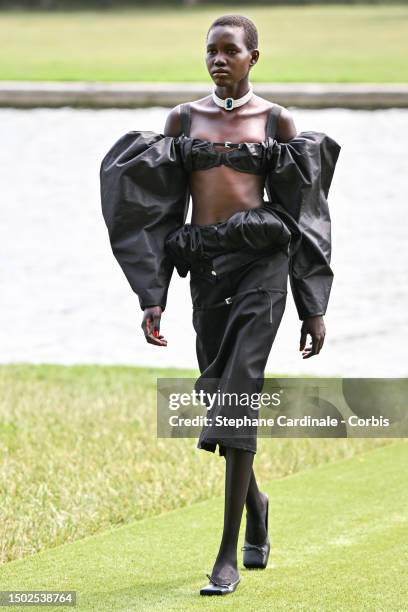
x: 224, y: 150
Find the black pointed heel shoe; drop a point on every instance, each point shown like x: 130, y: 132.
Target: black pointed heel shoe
x: 257, y: 555
x: 218, y: 588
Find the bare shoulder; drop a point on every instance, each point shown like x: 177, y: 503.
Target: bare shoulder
x: 286, y: 129
x: 202, y: 105
x: 173, y: 126
x: 173, y: 122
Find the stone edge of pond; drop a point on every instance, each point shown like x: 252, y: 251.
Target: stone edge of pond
x: 94, y: 94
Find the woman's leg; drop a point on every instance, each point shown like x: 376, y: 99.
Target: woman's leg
x: 255, y: 532
x: 237, y: 476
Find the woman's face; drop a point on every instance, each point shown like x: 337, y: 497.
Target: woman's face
x: 228, y: 59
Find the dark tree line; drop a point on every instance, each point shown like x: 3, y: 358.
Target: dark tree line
x: 105, y: 4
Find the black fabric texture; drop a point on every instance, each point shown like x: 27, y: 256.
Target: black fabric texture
x: 145, y: 193
x: 236, y: 316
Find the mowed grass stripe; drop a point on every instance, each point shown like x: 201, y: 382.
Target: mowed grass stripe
x: 338, y: 532
x: 79, y: 454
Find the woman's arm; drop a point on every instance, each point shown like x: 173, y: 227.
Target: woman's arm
x: 173, y: 122
x: 314, y: 326
x: 152, y: 314
x: 286, y: 129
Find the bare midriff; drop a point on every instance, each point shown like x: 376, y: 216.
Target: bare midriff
x: 219, y: 192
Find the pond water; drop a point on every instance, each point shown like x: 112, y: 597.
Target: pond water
x: 65, y: 299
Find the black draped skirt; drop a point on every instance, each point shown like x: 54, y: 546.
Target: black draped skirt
x: 238, y: 282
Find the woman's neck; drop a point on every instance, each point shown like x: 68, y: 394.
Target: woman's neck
x: 234, y: 90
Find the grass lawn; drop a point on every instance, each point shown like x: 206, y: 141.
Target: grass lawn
x: 359, y: 43
x: 339, y: 543
x: 79, y: 454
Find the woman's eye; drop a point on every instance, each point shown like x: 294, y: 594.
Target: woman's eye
x: 230, y: 51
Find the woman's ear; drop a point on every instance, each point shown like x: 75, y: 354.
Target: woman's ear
x: 254, y: 57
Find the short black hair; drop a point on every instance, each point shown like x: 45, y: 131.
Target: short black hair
x: 251, y: 33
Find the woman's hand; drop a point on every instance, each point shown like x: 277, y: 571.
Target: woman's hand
x: 316, y: 328
x: 151, y: 326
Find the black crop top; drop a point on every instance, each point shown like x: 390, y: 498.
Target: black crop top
x: 249, y: 157
x: 145, y: 196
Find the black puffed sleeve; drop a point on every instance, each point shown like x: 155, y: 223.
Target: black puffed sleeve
x: 144, y: 196
x: 299, y: 176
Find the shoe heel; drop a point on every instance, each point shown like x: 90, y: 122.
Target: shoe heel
x: 256, y: 556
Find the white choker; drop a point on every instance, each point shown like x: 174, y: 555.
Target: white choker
x: 231, y: 103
